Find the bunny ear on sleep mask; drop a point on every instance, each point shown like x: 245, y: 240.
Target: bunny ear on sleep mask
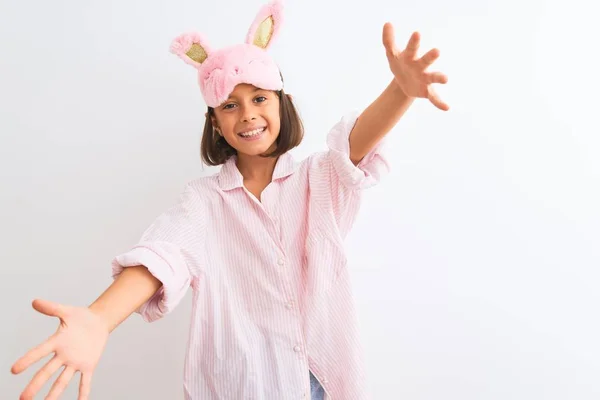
x: 219, y: 71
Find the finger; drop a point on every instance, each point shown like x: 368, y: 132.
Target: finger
x: 429, y: 58
x: 49, y: 308
x: 32, y: 356
x: 388, y: 38
x: 436, y: 101
x: 61, y: 383
x: 40, y: 378
x: 436, y: 77
x: 413, y: 45
x: 85, y: 385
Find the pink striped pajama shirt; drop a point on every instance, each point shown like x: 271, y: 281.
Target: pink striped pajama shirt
x: 271, y: 290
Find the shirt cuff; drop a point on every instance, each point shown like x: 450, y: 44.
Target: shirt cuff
x: 369, y: 170
x: 166, y: 264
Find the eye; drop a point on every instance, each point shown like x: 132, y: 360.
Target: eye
x: 260, y: 99
x: 228, y: 106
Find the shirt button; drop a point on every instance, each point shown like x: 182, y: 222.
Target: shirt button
x: 280, y: 261
x: 325, y: 380
x: 297, y: 349
x: 289, y: 305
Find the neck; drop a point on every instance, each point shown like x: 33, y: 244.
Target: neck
x: 256, y: 168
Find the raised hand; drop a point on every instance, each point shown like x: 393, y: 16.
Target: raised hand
x: 77, y: 345
x: 409, y: 71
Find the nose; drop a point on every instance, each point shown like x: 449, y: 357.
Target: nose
x: 248, y: 117
x: 248, y: 114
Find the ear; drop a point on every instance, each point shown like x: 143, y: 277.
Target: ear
x: 266, y: 25
x: 213, y: 121
x: 192, y: 48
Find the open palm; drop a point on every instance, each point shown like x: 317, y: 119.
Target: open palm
x: 410, y: 71
x: 77, y: 345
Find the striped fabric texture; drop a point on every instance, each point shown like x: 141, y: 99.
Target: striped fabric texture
x: 271, y: 293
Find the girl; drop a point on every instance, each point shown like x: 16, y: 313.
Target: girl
x: 260, y: 243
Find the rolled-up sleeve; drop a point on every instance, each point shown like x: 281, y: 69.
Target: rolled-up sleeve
x: 369, y: 170
x: 336, y: 184
x: 171, y: 249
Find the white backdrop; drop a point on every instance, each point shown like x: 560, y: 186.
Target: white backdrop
x: 475, y: 262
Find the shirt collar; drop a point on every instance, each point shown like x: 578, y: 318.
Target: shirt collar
x: 231, y: 178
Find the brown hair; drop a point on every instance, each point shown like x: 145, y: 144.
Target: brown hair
x: 215, y: 150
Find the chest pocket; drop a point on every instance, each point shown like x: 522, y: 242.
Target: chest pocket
x: 325, y: 261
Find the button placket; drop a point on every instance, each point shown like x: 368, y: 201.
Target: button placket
x: 271, y: 208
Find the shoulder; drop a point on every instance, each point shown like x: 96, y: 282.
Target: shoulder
x: 197, y: 191
x: 203, y: 185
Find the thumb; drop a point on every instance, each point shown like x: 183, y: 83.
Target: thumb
x: 388, y: 38
x: 49, y: 308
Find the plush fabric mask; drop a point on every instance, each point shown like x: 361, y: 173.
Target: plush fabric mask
x: 219, y: 71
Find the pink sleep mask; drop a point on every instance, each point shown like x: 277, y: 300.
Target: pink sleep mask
x: 219, y: 71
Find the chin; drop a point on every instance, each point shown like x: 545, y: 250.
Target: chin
x: 255, y: 150
x: 259, y: 147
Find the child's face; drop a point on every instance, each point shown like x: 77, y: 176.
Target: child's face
x: 249, y: 119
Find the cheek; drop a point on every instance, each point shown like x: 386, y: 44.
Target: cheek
x: 275, y: 125
x: 274, y: 120
x: 227, y: 124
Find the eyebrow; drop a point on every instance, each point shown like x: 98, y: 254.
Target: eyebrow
x: 256, y: 89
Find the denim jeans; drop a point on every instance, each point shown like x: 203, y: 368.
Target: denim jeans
x: 316, y: 390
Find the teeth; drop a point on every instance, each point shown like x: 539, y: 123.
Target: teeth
x: 252, y: 133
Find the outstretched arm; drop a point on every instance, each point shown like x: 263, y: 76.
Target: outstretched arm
x: 82, y: 333
x: 411, y: 80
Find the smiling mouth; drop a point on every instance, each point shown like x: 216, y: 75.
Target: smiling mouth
x: 252, y: 133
